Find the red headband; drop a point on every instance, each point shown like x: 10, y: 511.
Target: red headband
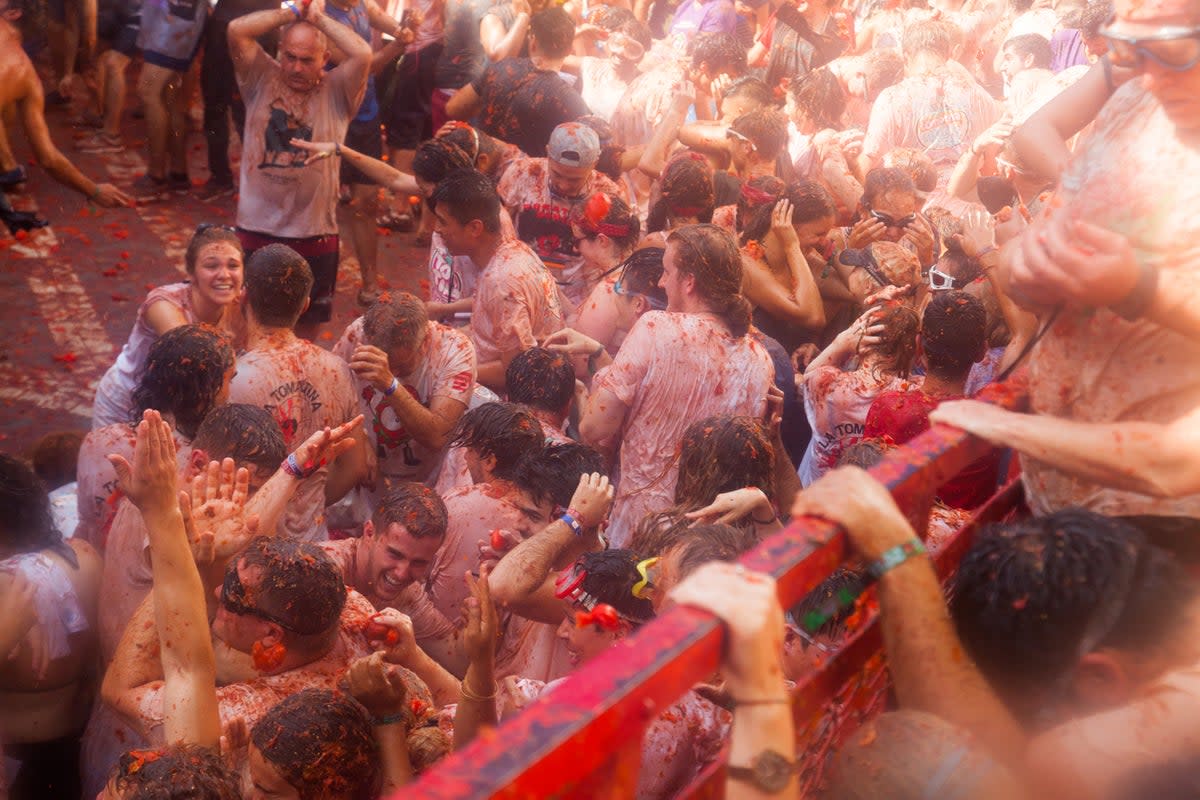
x: 595, y: 209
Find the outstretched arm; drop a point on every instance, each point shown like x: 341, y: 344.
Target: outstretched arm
x: 180, y: 613
x: 477, y: 708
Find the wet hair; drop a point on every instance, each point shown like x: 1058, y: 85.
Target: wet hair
x: 469, y: 195
x: 910, y: 755
x: 953, y: 333
x: 55, y: 456
x: 1031, y: 597
x: 540, y: 378
x: 503, y: 430
x: 720, y: 52
x: 619, y: 216
x: 471, y: 141
x: 843, y: 580
x: 918, y: 165
x: 722, y: 453
x: 27, y: 524
x: 810, y: 201
x: 1094, y: 17
x: 551, y: 474
x: 183, y: 375
x: 927, y: 36
x: 711, y: 255
x: 1032, y: 44
x: 753, y: 89
x: 885, y: 180
x: 554, y: 30
x: 761, y: 191
x: 703, y: 544
x: 278, y: 281
x: 634, y: 28
x: 819, y: 95
x: 882, y: 67
x: 610, y: 577
x: 958, y: 265
x: 767, y: 130
x: 434, y: 159
x: 203, y: 238
x: 323, y: 744
x: 426, y: 747
x: 415, y: 506
x: 179, y: 772
x: 395, y: 320
x: 300, y: 585
x: 685, y: 190
x: 864, y: 453
x: 995, y: 193
x: 898, y: 340
x: 246, y: 433
x: 641, y: 271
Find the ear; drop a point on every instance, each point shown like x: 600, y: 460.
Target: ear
x: 368, y: 530
x: 689, y: 283
x: 1100, y: 681
x: 198, y: 460
x: 475, y: 227
x: 483, y: 163
x: 273, y: 634
x: 488, y: 462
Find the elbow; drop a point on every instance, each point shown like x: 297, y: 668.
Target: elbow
x: 111, y: 691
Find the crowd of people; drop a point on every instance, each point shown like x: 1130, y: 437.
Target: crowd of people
x: 692, y: 268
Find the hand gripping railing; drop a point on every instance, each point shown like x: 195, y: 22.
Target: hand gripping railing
x: 584, y: 741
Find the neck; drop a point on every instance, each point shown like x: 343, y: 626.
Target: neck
x: 924, y: 64
x: 266, y: 338
x: 206, y: 311
x: 485, y: 249
x: 941, y: 386
x: 545, y: 62
x: 554, y: 420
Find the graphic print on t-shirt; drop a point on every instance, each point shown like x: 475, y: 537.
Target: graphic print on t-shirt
x: 295, y: 402
x: 282, y: 127
x: 547, y: 228
x: 390, y: 432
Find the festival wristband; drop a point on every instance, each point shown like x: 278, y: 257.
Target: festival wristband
x: 292, y: 7
x: 292, y: 467
x: 390, y: 719
x: 572, y: 522
x: 894, y: 557
x: 392, y: 387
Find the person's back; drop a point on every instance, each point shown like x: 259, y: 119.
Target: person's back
x: 523, y: 103
x: 45, y: 693
x: 305, y: 388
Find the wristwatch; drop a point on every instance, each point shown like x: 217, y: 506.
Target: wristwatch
x: 768, y: 771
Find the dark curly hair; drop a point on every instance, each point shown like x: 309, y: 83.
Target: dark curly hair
x: 28, y: 525
x: 183, y: 376
x: 179, y: 772
x: 611, y: 575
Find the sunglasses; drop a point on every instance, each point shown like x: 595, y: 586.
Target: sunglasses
x: 233, y: 599
x: 940, y: 281
x: 892, y: 222
x: 655, y: 303
x: 209, y: 226
x: 730, y: 133
x: 1172, y: 47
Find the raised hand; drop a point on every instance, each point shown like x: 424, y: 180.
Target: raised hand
x: 150, y: 482
x: 853, y: 499
x: 377, y: 685
x: 480, y: 634
x: 592, y: 499
x: 571, y: 342
x: 392, y: 633
x: 729, y: 507
x: 781, y: 224
x: 324, y: 446
x: 318, y: 150
x: 371, y: 365
x: 217, y: 507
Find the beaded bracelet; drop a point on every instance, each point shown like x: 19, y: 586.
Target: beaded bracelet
x: 894, y: 557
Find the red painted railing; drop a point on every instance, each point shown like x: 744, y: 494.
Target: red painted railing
x: 585, y: 741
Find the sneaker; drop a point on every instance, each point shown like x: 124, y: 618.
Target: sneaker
x: 148, y: 189
x: 100, y: 142
x: 214, y: 189
x: 179, y: 183
x: 13, y: 177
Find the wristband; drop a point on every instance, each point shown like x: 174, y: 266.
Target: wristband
x: 392, y: 387
x: 1134, y: 304
x: 894, y: 557
x: 337, y: 149
x: 572, y: 522
x: 390, y: 719
x: 292, y: 7
x: 292, y: 467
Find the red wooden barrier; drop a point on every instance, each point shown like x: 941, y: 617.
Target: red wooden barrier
x: 582, y: 742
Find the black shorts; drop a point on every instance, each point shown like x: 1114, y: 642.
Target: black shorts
x: 366, y: 138
x: 408, y: 108
x: 321, y: 253
x: 117, y: 22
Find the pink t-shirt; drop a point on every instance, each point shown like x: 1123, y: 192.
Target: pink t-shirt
x: 279, y: 194
x: 114, y: 393
x: 447, y: 369
x: 672, y: 370
x: 305, y: 389
x: 939, y: 114
x: 1092, y: 365
x: 516, y: 303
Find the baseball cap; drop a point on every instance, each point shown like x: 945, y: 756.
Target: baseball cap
x: 574, y: 145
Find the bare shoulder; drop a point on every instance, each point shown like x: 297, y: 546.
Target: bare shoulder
x: 18, y: 78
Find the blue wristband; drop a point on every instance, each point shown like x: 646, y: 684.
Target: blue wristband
x: 292, y: 7
x: 391, y: 390
x: 894, y: 557
x: 572, y: 523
